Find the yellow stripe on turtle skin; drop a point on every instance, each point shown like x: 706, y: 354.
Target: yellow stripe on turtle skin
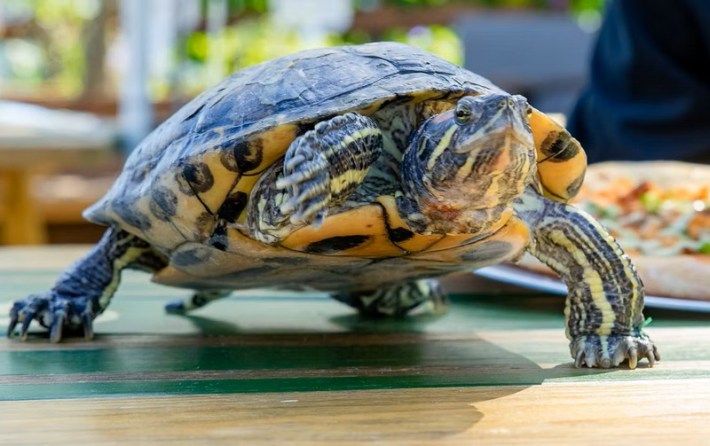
x: 591, y: 278
x: 130, y: 255
x: 351, y: 176
x: 559, y: 182
x: 366, y: 221
x: 441, y: 147
x: 577, y: 247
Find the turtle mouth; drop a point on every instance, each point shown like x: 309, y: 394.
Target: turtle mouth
x: 495, y: 170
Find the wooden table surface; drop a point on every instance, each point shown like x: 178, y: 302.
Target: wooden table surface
x: 275, y: 368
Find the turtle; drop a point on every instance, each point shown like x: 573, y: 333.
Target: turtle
x: 364, y: 171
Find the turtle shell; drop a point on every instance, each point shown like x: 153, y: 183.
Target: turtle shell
x: 199, y: 165
x: 185, y: 188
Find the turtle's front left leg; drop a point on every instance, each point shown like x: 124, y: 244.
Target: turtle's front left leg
x: 85, y: 289
x: 605, y: 301
x: 321, y: 169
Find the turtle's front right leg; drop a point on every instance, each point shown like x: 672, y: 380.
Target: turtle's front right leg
x: 320, y: 170
x: 86, y: 288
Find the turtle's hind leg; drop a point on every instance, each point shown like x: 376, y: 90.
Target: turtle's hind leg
x: 321, y: 169
x: 398, y: 300
x: 85, y: 289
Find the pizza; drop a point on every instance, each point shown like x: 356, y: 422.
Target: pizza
x: 659, y: 211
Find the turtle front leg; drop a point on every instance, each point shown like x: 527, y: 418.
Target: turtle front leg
x: 605, y: 302
x: 321, y: 169
x: 86, y: 288
x: 397, y: 300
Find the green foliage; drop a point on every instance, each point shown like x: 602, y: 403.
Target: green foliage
x: 52, y: 52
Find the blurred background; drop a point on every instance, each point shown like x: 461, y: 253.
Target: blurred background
x: 83, y: 81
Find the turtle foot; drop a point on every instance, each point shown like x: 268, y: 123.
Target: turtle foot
x: 54, y: 311
x: 610, y: 351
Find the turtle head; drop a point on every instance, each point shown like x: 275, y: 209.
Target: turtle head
x: 476, y: 157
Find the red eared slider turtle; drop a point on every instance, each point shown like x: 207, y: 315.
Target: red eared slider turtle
x: 364, y: 171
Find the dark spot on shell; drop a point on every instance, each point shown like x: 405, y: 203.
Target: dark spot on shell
x: 126, y: 210
x: 190, y: 257
x: 399, y: 234
x: 183, y: 185
x: 163, y: 203
x: 249, y: 155
x: 219, y: 239
x: 491, y: 252
x: 336, y: 244
x: 559, y: 147
x: 574, y: 186
x: 233, y: 206
x: 198, y: 176
x: 141, y: 171
x: 228, y: 159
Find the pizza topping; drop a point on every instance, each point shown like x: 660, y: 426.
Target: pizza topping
x: 649, y: 220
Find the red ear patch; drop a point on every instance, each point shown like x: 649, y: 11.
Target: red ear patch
x: 441, y: 117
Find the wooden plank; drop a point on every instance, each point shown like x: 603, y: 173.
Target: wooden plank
x: 659, y: 411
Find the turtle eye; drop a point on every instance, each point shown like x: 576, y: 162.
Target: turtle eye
x: 462, y: 113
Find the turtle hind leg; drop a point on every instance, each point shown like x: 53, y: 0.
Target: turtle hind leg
x: 398, y: 300
x: 321, y: 169
x: 85, y: 289
x: 198, y: 300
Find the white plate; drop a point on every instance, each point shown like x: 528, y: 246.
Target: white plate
x: 541, y: 282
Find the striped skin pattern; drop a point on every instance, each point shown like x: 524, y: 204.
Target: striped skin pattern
x: 364, y: 171
x: 398, y: 300
x: 322, y: 168
x: 605, y: 301
x: 462, y: 172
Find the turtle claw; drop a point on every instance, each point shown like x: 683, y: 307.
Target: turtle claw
x: 12, y: 325
x: 55, y: 332
x: 87, y: 319
x: 610, y: 351
x: 53, y: 311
